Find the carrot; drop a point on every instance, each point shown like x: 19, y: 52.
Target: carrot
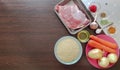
x: 95, y: 44
x: 104, y: 42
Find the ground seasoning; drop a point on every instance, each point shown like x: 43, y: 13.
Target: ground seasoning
x: 111, y: 30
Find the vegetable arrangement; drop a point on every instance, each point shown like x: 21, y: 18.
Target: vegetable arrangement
x: 99, y: 49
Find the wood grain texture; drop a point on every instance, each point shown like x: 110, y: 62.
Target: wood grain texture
x: 28, y: 32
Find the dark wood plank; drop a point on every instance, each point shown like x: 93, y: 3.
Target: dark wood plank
x: 28, y: 32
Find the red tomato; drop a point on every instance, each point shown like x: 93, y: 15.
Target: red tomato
x: 93, y: 8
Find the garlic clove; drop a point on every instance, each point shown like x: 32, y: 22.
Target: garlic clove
x: 93, y: 25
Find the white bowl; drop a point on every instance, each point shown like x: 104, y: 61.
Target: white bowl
x: 78, y: 55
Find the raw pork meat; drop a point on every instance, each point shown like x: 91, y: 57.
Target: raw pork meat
x: 72, y: 16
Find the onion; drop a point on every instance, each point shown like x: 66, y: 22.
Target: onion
x: 95, y: 53
x: 103, y: 62
x: 112, y: 58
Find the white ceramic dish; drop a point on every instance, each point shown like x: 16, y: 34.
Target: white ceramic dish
x: 76, y: 59
x: 111, y: 8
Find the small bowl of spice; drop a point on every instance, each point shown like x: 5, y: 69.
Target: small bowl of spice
x: 83, y: 36
x: 111, y: 30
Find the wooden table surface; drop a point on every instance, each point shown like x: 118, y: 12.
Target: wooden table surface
x: 28, y: 32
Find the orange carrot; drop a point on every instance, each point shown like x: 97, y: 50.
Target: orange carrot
x: 104, y: 42
x: 95, y: 44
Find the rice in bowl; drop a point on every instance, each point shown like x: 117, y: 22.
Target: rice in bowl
x: 68, y: 50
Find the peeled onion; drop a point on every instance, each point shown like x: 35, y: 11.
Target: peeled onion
x: 112, y: 58
x: 103, y: 62
x: 95, y: 53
